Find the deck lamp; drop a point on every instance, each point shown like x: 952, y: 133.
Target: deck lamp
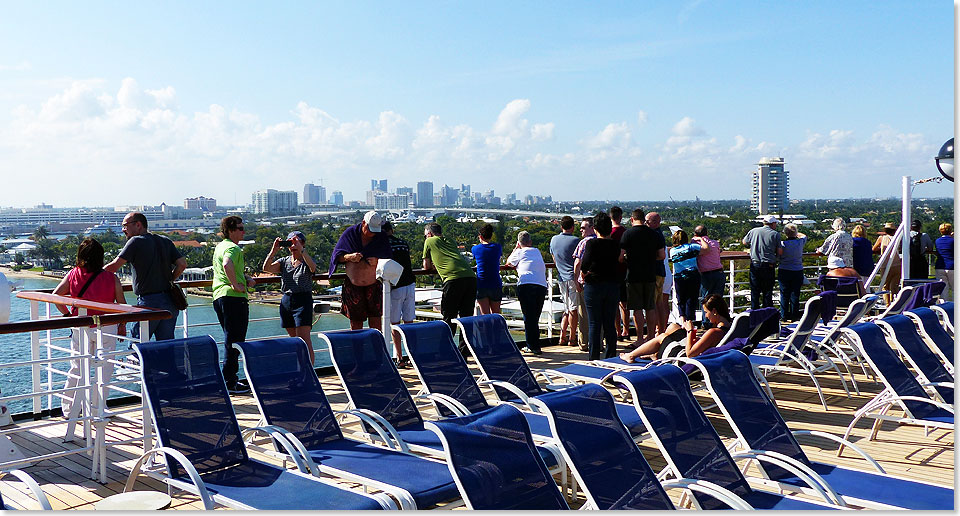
x: 945, y: 160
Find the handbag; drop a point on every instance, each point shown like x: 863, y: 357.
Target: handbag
x: 177, y: 297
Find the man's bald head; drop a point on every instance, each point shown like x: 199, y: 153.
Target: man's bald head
x: 653, y: 220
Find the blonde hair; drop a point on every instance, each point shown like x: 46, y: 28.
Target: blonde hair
x: 858, y: 231
x: 946, y: 228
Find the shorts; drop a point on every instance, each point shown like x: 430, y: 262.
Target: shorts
x: 569, y: 295
x: 642, y: 295
x: 623, y: 293
x: 402, y: 306
x: 495, y: 294
x: 662, y: 285
x: 361, y: 303
x: 296, y: 310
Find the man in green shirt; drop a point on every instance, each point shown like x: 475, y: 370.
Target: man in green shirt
x: 230, y: 286
x: 459, y: 280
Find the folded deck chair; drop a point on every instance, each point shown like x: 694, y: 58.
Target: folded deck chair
x: 945, y: 311
x: 444, y: 373
x: 690, y: 444
x: 798, y: 353
x: 32, y: 485
x: 899, y: 303
x: 201, y: 441
x: 375, y: 388
x: 901, y: 390
x: 759, y: 426
x: 291, y: 398
x: 934, y: 333
x: 495, y: 462
x: 499, y: 359
x: 930, y: 370
x: 604, y: 459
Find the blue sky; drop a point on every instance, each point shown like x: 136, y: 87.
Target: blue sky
x: 580, y: 100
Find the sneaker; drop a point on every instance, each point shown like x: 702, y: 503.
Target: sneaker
x: 241, y: 387
x: 536, y: 352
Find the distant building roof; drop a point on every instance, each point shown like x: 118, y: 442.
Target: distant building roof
x: 187, y: 243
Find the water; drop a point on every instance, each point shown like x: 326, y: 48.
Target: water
x: 16, y: 347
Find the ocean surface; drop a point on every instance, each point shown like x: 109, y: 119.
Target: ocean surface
x: 16, y: 347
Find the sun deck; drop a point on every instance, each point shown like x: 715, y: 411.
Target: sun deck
x: 902, y: 451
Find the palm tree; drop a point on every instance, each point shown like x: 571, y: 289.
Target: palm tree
x: 41, y: 233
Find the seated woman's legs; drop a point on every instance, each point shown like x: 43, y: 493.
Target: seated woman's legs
x: 651, y: 348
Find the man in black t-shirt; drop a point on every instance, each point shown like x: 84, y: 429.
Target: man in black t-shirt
x: 402, y: 295
x: 641, y: 251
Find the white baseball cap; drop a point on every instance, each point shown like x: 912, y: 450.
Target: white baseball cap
x: 373, y: 220
x: 770, y: 219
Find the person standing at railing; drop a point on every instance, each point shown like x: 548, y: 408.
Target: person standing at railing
x: 296, y: 282
x: 587, y: 233
x: 944, y: 265
x: 686, y: 277
x: 531, y: 287
x: 622, y: 321
x: 639, y: 249
x: 712, y: 278
x: 862, y: 252
x: 562, y: 246
x: 791, y: 272
x: 837, y: 247
x: 601, y: 289
x: 765, y: 250
x: 155, y: 262
x: 403, y: 295
x: 89, y: 280
x: 459, y: 281
x: 359, y: 249
x: 891, y: 282
x: 230, y: 285
x: 487, y: 254
x: 921, y: 246
x: 663, y: 302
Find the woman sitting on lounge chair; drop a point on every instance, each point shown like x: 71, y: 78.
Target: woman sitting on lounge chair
x: 714, y: 309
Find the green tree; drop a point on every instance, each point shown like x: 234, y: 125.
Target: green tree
x: 41, y: 233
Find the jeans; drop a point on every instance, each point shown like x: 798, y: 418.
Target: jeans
x: 531, y: 297
x: 790, y: 283
x: 233, y: 314
x: 163, y: 329
x: 712, y: 282
x: 602, y: 299
x: 688, y: 287
x: 762, y: 278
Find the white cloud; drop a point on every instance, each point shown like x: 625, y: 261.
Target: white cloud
x: 641, y: 117
x: 687, y: 127
x: 612, y: 136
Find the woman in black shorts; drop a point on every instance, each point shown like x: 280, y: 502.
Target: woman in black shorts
x: 296, y: 282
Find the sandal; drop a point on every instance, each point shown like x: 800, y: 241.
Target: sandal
x: 404, y: 363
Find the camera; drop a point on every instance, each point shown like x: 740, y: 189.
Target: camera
x: 286, y: 243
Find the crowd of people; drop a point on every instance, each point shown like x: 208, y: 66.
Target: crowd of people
x: 606, y: 275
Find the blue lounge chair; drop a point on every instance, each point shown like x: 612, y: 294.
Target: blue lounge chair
x: 828, y: 336
x: 375, y: 388
x: 901, y: 390
x: 927, y: 294
x: 291, y: 398
x: 945, y: 311
x: 500, y: 361
x: 759, y: 426
x: 928, y: 366
x: 604, y: 459
x: 690, y: 444
x: 32, y: 485
x: 443, y: 371
x: 934, y: 333
x: 899, y: 303
x: 495, y: 463
x: 846, y: 287
x: 201, y: 441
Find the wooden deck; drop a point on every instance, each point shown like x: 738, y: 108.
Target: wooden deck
x: 902, y: 451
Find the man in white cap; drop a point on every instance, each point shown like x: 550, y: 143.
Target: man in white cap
x: 359, y: 248
x: 765, y: 250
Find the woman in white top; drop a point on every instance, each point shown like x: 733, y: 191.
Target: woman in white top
x: 531, y: 287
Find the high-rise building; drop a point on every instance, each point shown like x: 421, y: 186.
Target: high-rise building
x: 448, y: 195
x: 311, y: 194
x: 378, y: 185
x: 425, y: 194
x: 336, y: 198
x: 274, y: 201
x: 770, y: 185
x: 404, y: 190
x: 391, y: 201
x: 200, y: 203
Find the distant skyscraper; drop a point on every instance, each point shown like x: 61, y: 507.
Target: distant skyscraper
x: 378, y: 185
x: 323, y: 195
x: 770, y: 185
x: 311, y: 194
x: 448, y: 195
x: 273, y: 201
x: 425, y: 194
x: 336, y: 198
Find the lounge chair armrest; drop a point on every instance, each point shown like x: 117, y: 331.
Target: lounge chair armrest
x: 938, y: 384
x: 205, y: 497
x: 447, y: 401
x: 513, y: 390
x: 807, y: 475
x: 297, y: 451
x: 709, y: 488
x: 843, y: 442
x: 380, y: 425
x: 548, y: 374
x: 32, y: 484
x: 938, y: 404
x: 672, y: 348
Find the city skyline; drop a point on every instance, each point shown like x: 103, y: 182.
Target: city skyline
x: 599, y: 102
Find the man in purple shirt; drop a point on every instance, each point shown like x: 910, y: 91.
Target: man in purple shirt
x: 359, y: 249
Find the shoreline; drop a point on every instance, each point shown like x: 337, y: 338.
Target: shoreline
x: 10, y: 273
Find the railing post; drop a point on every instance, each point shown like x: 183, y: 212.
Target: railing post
x: 385, y: 319
x: 549, y: 304
x: 186, y: 322
x: 35, y: 355
x: 733, y: 272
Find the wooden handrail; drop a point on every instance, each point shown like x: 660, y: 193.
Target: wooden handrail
x: 115, y: 314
